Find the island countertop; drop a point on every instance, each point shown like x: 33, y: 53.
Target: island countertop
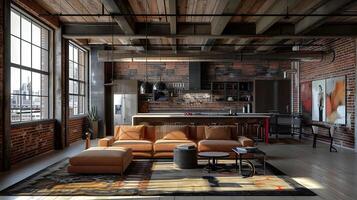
x: 205, y: 115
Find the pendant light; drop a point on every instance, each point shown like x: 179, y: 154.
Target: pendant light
x: 145, y: 86
x: 159, y: 86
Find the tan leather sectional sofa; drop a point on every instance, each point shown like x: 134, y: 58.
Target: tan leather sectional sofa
x: 160, y: 141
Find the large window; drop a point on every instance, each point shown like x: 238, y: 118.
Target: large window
x: 77, y: 83
x: 29, y: 69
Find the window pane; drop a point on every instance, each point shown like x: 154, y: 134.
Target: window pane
x: 80, y: 105
x: 36, y: 35
x: 44, y: 38
x: 70, y: 53
x: 81, y: 72
x: 15, y: 80
x: 36, y: 84
x: 15, y: 115
x: 75, y: 71
x: 25, y: 29
x: 70, y: 87
x: 25, y: 82
x: 75, y: 105
x: 15, y: 50
x: 81, y: 57
x: 44, y: 85
x: 75, y: 55
x: 25, y: 54
x: 26, y: 108
x: 15, y: 24
x: 44, y: 60
x: 36, y: 108
x: 70, y: 105
x: 70, y: 69
x: 75, y: 87
x: 15, y: 102
x: 82, y: 88
x: 36, y: 57
x: 44, y: 108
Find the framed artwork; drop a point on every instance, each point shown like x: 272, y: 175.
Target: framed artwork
x: 318, y: 100
x: 306, y: 99
x: 336, y: 100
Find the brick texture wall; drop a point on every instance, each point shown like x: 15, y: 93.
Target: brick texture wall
x: 28, y: 140
x: 344, y: 65
x: 179, y: 72
x: 76, y: 129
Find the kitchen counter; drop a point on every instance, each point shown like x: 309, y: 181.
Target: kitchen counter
x: 213, y: 115
x: 242, y: 119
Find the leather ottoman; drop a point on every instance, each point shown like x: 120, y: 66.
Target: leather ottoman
x: 101, y: 160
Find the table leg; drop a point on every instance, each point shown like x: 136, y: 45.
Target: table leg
x: 266, y: 126
x: 236, y: 162
x: 264, y: 165
x: 240, y: 164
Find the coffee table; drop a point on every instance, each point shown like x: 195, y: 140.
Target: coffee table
x: 254, y: 151
x: 213, y: 155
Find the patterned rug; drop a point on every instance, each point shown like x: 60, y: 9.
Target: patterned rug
x: 160, y: 177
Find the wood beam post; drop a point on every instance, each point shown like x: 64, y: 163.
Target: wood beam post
x: 5, y: 117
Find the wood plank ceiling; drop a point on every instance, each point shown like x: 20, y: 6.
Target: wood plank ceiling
x: 263, y: 23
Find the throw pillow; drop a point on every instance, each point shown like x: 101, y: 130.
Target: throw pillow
x: 131, y: 132
x: 217, y: 133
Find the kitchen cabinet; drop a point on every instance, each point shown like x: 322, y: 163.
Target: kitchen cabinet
x: 272, y: 96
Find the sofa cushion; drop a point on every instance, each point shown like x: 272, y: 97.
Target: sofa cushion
x: 162, y: 131
x: 217, y: 145
x: 170, y: 145
x: 135, y: 145
x: 217, y: 133
x: 131, y: 132
x: 179, y: 134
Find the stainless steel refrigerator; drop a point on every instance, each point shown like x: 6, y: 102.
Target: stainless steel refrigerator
x: 125, y: 101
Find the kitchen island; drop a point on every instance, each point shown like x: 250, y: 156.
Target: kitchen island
x: 243, y: 121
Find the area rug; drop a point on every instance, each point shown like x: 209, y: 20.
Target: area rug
x: 160, y: 177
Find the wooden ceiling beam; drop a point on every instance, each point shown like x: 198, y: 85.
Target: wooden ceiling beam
x: 112, y: 7
x: 309, y: 23
x: 219, y: 23
x: 34, y: 8
x: 264, y: 23
x: 233, y: 30
x: 171, y: 9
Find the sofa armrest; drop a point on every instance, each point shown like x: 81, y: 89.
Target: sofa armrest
x: 245, y: 142
x: 106, y: 142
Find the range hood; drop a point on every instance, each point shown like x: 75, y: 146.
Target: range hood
x: 196, y: 74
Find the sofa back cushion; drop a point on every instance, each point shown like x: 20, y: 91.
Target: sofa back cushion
x: 218, y: 133
x: 127, y: 132
x: 171, y: 132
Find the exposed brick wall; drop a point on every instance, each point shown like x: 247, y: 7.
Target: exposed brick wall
x: 179, y: 72
x: 28, y: 140
x: 344, y: 65
x: 169, y: 72
x: 76, y: 128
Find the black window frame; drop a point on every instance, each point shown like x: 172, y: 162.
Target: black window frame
x: 78, y: 80
x: 47, y: 72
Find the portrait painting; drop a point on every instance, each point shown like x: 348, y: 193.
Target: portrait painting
x: 318, y: 100
x: 336, y: 100
x: 306, y: 100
